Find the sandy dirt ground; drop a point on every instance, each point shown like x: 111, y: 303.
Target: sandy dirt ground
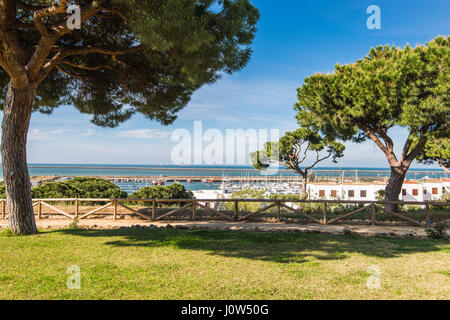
x: 389, y: 231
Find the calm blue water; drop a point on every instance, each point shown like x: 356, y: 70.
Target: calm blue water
x: 216, y: 171
x: 208, y: 171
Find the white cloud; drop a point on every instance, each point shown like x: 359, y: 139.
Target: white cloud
x: 40, y: 134
x: 89, y: 133
x: 144, y: 134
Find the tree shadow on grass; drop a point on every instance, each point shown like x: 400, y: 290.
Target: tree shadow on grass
x: 264, y: 246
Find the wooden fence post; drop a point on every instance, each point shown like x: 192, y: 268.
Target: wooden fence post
x: 115, y: 210
x: 324, y: 221
x: 236, y: 211
x: 194, y: 209
x: 77, y: 208
x: 153, y: 209
x: 278, y: 211
x: 427, y: 215
x: 373, y: 214
x: 39, y: 209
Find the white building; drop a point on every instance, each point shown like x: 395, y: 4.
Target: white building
x: 208, y: 195
x: 430, y: 190
x: 347, y: 191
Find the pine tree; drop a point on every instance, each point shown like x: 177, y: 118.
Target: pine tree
x: 126, y: 57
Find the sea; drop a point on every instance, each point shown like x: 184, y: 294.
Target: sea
x: 123, y: 170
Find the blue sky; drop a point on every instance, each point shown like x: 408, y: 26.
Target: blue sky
x: 296, y: 38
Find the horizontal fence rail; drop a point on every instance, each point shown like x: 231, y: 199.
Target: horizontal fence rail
x: 150, y: 209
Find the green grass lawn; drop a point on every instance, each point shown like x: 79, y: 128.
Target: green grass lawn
x: 195, y: 264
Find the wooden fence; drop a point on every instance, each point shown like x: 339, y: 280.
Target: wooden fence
x: 77, y: 209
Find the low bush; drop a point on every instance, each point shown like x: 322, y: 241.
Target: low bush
x: 284, y: 197
x: 173, y: 191
x: 2, y: 192
x: 246, y: 194
x: 79, y: 188
x: 438, y: 231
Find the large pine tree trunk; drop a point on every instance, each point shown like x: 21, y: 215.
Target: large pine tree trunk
x: 16, y: 119
x: 304, y: 192
x: 394, y: 186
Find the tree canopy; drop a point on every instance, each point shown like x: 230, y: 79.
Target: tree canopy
x: 437, y: 150
x: 110, y: 59
x: 295, y: 149
x: 129, y: 56
x: 390, y: 87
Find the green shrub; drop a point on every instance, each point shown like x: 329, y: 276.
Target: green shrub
x: 97, y: 188
x: 2, y: 191
x: 381, y: 195
x: 284, y: 197
x: 247, y: 194
x: 439, y: 231
x: 79, y: 188
x: 445, y: 198
x: 54, y: 190
x: 173, y: 191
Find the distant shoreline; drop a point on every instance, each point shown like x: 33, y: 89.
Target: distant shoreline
x: 205, y: 171
x: 145, y: 168
x: 218, y: 169
x: 209, y: 168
